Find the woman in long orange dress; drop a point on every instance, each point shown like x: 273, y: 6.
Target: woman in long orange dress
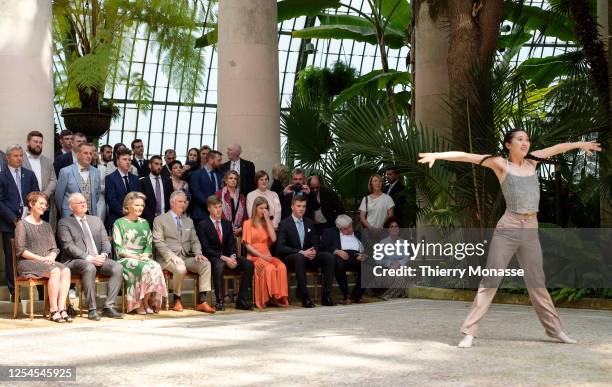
x: 271, y: 286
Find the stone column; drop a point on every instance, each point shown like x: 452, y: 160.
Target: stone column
x: 248, y: 109
x: 431, y: 72
x: 26, y: 90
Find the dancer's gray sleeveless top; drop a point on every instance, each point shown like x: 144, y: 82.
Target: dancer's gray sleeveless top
x: 522, y: 193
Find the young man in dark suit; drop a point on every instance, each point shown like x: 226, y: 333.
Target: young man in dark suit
x: 297, y: 246
x: 157, y: 189
x: 245, y: 168
x: 118, y: 184
x: 203, y: 183
x: 15, y: 185
x: 139, y: 161
x: 396, y: 190
x: 69, y: 158
x: 219, y: 246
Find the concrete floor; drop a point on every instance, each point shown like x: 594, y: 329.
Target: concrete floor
x: 396, y: 343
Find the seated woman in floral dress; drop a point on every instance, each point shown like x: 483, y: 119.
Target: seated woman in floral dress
x: 143, y: 276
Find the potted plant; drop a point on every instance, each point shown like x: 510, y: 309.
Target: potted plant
x: 91, y: 39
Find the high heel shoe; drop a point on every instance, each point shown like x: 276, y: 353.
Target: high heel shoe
x: 56, y: 317
x: 65, y: 316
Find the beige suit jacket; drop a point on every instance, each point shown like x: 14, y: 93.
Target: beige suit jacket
x: 169, y: 243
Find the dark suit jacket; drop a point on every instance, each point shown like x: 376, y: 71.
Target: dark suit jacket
x: 165, y: 172
x: 144, y: 171
x: 247, y: 175
x: 312, y: 204
x: 211, y: 246
x: 331, y: 206
x: 200, y: 188
x: 398, y: 195
x: 72, y: 237
x: 149, y: 190
x: 62, y: 161
x: 9, y: 196
x: 330, y: 241
x: 115, y: 193
x: 288, y: 239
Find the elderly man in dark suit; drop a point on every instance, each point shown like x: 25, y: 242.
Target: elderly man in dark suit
x: 86, y: 251
x: 204, y: 183
x: 16, y: 183
x: 157, y: 189
x: 244, y: 168
x: 297, y: 246
x: 330, y: 204
x: 118, y: 184
x: 219, y: 246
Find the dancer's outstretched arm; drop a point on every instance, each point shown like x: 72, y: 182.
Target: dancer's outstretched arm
x: 430, y: 158
x: 588, y: 146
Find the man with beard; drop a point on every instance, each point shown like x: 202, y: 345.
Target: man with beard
x: 40, y: 165
x: 106, y: 154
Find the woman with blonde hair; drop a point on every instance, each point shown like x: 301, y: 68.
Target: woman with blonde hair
x: 271, y: 285
x: 143, y: 276
x: 375, y: 209
x: 274, y: 204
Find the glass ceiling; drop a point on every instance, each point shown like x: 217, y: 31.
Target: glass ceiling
x: 174, y: 124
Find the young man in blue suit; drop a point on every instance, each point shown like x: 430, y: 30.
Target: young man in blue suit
x: 80, y: 177
x: 15, y: 185
x: 204, y: 183
x: 118, y: 184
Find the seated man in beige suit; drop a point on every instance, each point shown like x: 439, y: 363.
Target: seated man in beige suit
x: 178, y: 250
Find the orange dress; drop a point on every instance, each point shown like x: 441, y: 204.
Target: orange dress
x: 270, y: 276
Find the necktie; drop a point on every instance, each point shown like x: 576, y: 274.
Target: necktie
x: 18, y: 181
x: 234, y: 166
x: 140, y: 163
x: 218, y: 227
x: 300, y: 228
x: 127, y: 183
x: 88, y: 242
x: 179, y: 226
x: 158, y: 199
x: 214, y: 180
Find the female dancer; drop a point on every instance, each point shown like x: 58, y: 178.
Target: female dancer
x: 519, y: 182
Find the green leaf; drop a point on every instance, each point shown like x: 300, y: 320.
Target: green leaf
x: 289, y: 9
x: 399, y: 11
x: 377, y: 78
x: 208, y: 39
x: 543, y: 71
x: 549, y: 23
x: 513, y: 40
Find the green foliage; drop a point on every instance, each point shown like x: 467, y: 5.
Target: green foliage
x: 91, y: 40
x: 548, y: 22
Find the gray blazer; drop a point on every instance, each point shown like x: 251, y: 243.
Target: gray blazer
x: 68, y: 183
x: 72, y: 237
x: 47, y: 174
x: 2, y: 161
x: 169, y: 244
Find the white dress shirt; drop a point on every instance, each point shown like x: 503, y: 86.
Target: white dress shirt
x: 235, y: 166
x: 152, y: 177
x: 88, y: 234
x: 84, y: 171
x: 36, y: 167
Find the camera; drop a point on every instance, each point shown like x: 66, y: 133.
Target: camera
x: 297, y: 188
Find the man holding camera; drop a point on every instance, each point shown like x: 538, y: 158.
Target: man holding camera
x: 298, y: 187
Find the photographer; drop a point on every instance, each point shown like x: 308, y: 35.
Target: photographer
x: 298, y: 187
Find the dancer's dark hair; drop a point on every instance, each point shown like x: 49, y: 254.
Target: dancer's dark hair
x: 504, y: 153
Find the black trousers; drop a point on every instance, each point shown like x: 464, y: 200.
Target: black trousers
x: 8, y: 260
x: 244, y: 266
x: 342, y: 266
x: 88, y: 271
x: 299, y: 263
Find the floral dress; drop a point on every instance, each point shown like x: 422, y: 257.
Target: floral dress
x: 140, y: 276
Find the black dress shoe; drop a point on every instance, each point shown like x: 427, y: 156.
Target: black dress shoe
x: 327, y: 301
x: 93, y: 315
x: 243, y: 305
x: 307, y: 303
x: 112, y: 313
x: 219, y: 306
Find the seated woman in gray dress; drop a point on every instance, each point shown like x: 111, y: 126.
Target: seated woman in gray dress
x: 36, y: 252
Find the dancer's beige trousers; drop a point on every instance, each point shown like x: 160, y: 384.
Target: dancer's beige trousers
x: 515, y: 234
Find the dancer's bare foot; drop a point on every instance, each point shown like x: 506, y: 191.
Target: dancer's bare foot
x: 563, y: 337
x: 466, y: 342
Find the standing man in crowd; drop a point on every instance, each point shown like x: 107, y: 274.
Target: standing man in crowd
x: 205, y: 182
x: 169, y: 156
x: 330, y: 205
x: 118, y: 184
x: 157, y: 189
x: 139, y: 161
x: 41, y: 166
x: 219, y: 246
x: 65, y: 138
x: 106, y: 154
x: 80, y: 177
x: 244, y: 168
x: 2, y: 161
x: 69, y: 158
x: 15, y: 185
x: 87, y: 251
x: 297, y: 245
x: 396, y: 190
x: 298, y: 187
x: 179, y: 250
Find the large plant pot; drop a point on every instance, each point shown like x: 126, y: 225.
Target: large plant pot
x: 92, y: 124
